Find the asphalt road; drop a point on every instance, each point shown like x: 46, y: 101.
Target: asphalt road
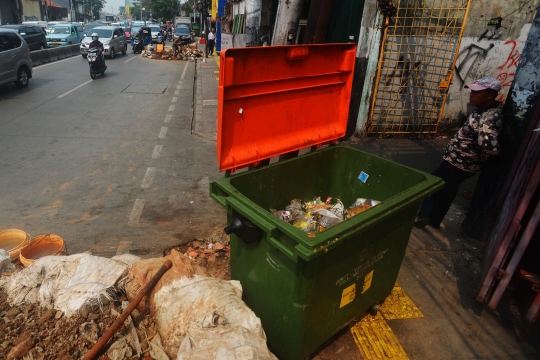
x: 107, y: 164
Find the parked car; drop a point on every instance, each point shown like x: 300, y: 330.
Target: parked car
x: 65, y: 34
x: 15, y: 61
x: 184, y: 31
x: 113, y: 38
x: 32, y: 34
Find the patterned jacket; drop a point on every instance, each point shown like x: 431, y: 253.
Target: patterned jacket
x: 477, y: 140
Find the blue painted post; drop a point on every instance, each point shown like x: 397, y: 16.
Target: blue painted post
x: 221, y: 6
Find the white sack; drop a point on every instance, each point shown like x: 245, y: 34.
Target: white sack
x: 5, y: 261
x: 64, y: 283
x: 197, y: 311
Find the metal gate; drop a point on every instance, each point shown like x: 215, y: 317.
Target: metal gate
x: 416, y: 63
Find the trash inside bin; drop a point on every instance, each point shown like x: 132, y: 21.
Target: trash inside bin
x: 305, y: 287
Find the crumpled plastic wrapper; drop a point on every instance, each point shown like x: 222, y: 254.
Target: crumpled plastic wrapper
x: 317, y: 215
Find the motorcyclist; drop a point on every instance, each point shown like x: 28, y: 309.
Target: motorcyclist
x: 98, y: 44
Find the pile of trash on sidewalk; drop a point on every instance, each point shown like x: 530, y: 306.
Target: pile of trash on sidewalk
x: 186, y: 52
x: 63, y: 307
x: 317, y: 215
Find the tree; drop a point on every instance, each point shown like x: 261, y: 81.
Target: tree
x: 95, y: 7
x: 187, y: 7
x: 165, y: 9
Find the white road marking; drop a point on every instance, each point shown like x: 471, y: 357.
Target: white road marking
x: 179, y: 86
x: 136, y: 212
x: 54, y: 62
x: 184, y: 72
x: 171, y: 107
x: 72, y: 90
x: 177, y: 92
x: 162, y: 132
x: 130, y: 59
x: 174, y: 99
x: 148, y: 177
x: 168, y: 118
x: 157, y: 151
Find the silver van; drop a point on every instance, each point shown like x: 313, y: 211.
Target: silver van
x: 15, y: 61
x: 113, y: 39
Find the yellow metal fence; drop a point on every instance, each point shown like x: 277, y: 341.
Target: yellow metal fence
x: 416, y: 64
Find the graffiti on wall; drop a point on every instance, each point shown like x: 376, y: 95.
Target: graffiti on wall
x: 473, y: 55
x: 508, y: 67
x: 468, y: 57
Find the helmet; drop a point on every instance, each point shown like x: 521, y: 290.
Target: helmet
x: 95, y: 36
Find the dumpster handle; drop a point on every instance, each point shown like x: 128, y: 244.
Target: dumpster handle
x: 263, y: 225
x: 219, y: 200
x: 285, y: 250
x: 216, y: 188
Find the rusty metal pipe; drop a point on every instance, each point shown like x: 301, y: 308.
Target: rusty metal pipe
x: 94, y: 351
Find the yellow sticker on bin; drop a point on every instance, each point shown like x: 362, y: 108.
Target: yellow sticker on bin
x: 348, y: 295
x: 367, y: 281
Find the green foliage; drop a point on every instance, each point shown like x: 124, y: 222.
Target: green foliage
x: 95, y: 7
x: 165, y: 9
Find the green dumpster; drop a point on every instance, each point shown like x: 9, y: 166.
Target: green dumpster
x: 274, y: 100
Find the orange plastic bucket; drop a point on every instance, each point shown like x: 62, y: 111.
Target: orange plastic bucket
x: 13, y: 240
x: 159, y: 48
x: 40, y: 246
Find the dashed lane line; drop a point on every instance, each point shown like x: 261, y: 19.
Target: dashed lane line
x: 168, y: 118
x: 174, y: 99
x: 148, y: 177
x: 130, y: 59
x: 184, y: 72
x: 136, y: 212
x: 163, y: 132
x: 171, y: 107
x: 157, y: 151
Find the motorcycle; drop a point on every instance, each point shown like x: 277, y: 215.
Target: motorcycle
x: 97, y: 65
x: 169, y: 36
x: 138, y: 46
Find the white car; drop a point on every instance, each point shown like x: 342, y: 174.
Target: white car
x: 113, y: 39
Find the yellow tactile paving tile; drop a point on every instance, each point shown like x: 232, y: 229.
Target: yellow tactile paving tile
x: 376, y: 340
x: 398, y: 305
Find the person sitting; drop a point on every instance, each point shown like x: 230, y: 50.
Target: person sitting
x: 98, y: 44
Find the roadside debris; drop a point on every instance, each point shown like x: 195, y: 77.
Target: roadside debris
x: 317, y: 215
x: 60, y: 306
x: 186, y: 52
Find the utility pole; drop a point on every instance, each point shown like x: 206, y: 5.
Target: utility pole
x: 286, y: 26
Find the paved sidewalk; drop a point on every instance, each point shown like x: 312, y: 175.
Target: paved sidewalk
x: 440, y: 271
x: 206, y: 82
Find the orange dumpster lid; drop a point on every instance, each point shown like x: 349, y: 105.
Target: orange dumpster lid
x: 276, y: 99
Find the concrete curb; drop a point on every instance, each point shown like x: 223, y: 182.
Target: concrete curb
x: 40, y: 57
